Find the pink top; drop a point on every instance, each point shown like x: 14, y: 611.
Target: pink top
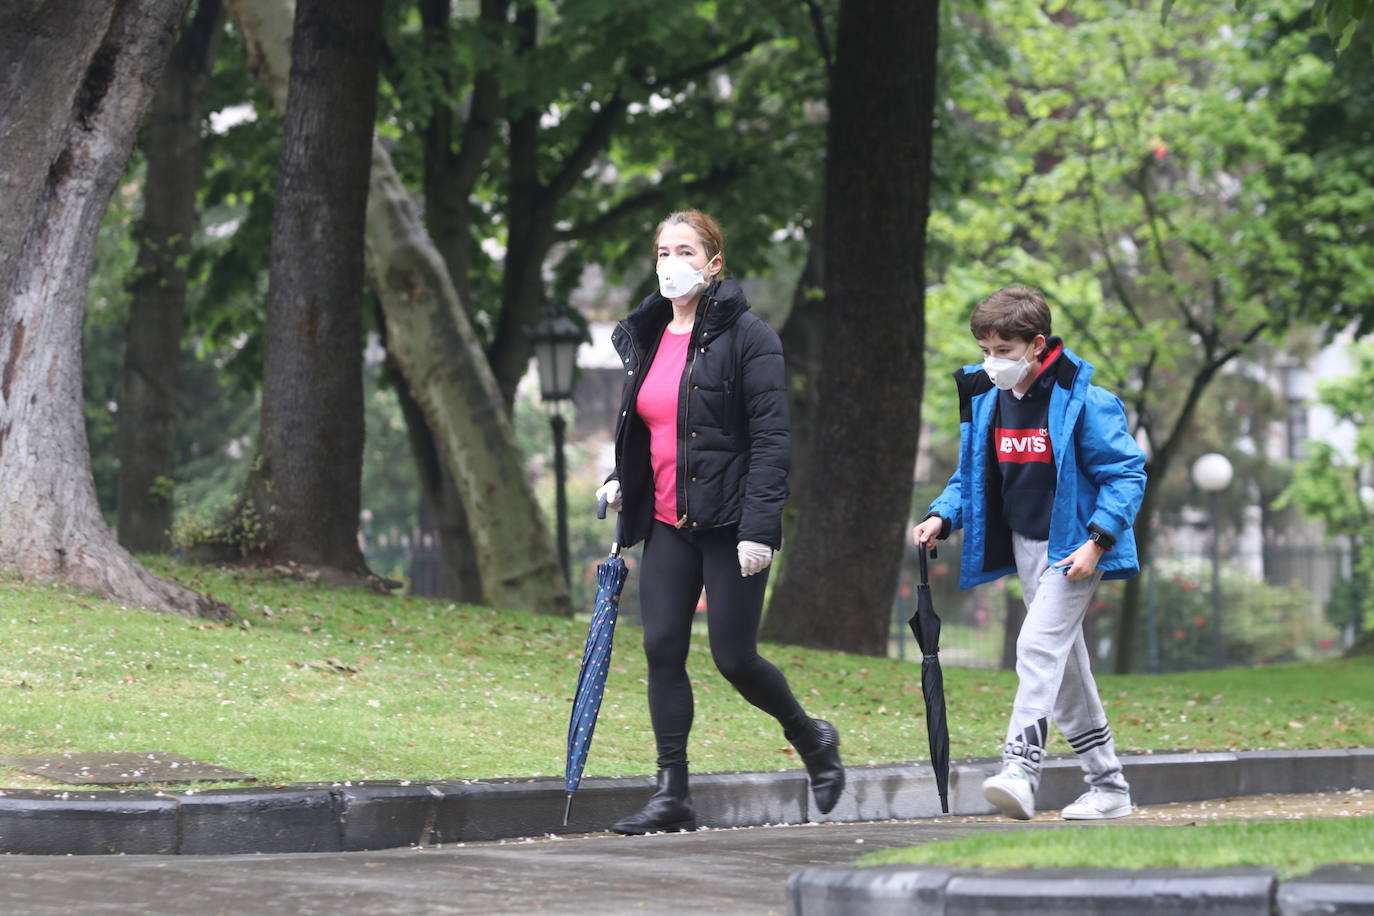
x: 657, y: 406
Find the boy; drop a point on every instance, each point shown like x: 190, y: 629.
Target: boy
x: 1048, y: 484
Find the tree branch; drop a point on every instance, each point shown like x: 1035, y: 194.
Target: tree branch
x: 479, y: 129
x: 653, y: 197
x: 822, y: 38
x: 1153, y: 220
x: 706, y: 66
x: 592, y: 142
x: 1118, y: 283
x: 198, y: 41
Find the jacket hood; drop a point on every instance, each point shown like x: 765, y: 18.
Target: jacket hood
x: 721, y: 305
x: 1063, y: 366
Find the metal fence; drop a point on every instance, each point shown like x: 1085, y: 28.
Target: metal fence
x: 1279, y: 600
x: 1269, y: 603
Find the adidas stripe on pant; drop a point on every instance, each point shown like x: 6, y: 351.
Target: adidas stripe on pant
x: 1054, y: 679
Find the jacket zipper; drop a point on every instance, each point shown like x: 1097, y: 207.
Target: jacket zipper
x: 624, y: 329
x: 684, y: 400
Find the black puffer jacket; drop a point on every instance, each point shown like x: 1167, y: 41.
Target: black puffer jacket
x: 734, y: 445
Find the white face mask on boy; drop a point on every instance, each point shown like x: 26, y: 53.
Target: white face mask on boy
x: 1006, y: 373
x: 677, y: 278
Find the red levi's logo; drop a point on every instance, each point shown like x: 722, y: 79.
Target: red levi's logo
x: 1019, y: 446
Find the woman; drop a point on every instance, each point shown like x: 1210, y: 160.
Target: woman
x: 702, y: 451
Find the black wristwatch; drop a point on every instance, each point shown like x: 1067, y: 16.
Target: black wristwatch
x: 1102, y: 539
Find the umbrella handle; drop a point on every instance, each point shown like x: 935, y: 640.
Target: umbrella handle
x: 619, y: 525
x: 922, y: 550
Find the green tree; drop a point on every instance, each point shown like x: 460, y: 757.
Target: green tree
x: 553, y: 137
x: 1342, y: 19
x: 171, y: 146
x: 432, y: 338
x: 1151, y: 184
x: 302, y: 499
x: 1333, y: 487
x: 851, y: 510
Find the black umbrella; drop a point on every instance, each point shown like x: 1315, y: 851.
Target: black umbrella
x: 596, y: 662
x: 925, y: 625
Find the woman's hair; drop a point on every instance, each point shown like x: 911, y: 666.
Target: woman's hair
x: 1012, y: 313
x: 707, y: 229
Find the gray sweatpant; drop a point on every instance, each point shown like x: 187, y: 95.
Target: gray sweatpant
x: 1054, y: 680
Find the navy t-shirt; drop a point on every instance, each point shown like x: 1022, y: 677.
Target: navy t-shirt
x: 1021, y: 442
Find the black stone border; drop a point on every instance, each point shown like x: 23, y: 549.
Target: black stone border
x: 896, y: 890
x: 350, y: 816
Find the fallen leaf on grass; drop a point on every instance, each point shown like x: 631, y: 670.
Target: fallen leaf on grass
x: 333, y: 665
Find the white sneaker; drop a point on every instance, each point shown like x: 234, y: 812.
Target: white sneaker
x: 1099, y: 805
x: 1010, y: 790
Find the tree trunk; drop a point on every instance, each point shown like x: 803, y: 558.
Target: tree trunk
x: 529, y: 217
x: 1133, y: 592
x: 78, y: 77
x: 449, y: 178
x: 452, y: 571
x: 429, y: 333
x: 838, y: 586
x: 802, y: 338
x: 1156, y: 470
x: 305, y: 491
x: 147, y: 401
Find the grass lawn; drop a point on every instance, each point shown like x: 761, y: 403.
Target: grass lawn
x: 1291, y: 848
x: 331, y: 683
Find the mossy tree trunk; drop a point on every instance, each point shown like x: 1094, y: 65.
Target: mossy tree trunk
x: 79, y: 76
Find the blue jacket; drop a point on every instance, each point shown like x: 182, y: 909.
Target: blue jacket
x: 1099, y: 475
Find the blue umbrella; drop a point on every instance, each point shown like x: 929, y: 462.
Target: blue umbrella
x: 596, y: 662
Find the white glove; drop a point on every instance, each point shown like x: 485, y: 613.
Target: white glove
x: 611, y: 490
x: 754, y: 557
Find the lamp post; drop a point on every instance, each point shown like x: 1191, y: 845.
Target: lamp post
x: 1361, y: 583
x: 1212, y: 474
x: 555, y: 341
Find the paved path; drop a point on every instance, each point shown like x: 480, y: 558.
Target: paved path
x: 724, y: 872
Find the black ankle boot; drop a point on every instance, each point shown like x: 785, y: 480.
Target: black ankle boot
x: 669, y: 809
x: 820, y: 751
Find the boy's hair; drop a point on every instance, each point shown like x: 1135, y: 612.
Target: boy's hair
x: 1012, y: 313
x: 706, y: 228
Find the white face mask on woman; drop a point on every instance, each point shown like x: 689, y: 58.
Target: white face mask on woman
x: 677, y: 278
x: 1006, y: 373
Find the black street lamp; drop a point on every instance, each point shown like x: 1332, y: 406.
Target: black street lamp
x: 555, y: 341
x: 1212, y: 473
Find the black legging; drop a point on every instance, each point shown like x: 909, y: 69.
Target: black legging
x: 673, y: 569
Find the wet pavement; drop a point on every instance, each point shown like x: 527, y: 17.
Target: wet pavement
x: 727, y: 872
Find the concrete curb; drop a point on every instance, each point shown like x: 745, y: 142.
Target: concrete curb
x: 330, y: 817
x: 906, y: 891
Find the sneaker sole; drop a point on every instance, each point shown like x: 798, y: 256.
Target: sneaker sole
x: 1106, y: 816
x: 1007, y: 802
